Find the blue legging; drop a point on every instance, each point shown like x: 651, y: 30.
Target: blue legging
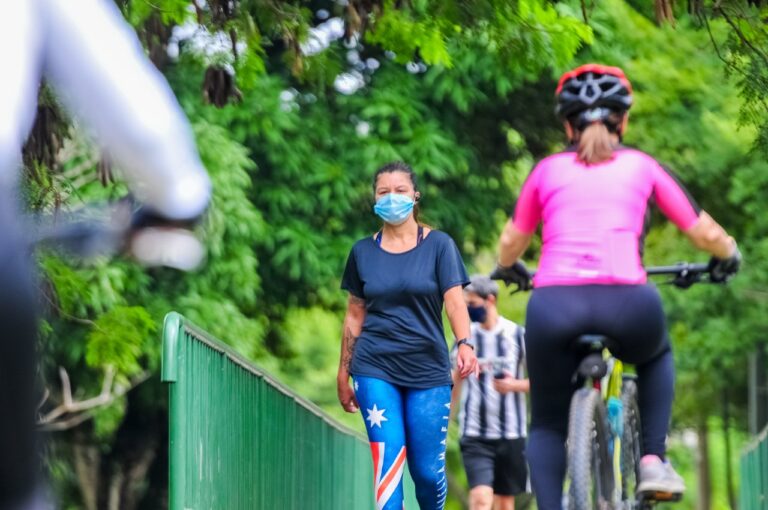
x: 406, y: 423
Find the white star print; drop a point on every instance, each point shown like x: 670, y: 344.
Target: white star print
x: 376, y: 416
x: 356, y: 385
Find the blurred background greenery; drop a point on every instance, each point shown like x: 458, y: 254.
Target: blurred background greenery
x: 296, y: 103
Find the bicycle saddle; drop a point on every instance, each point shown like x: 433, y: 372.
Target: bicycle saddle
x: 593, y: 365
x: 593, y: 342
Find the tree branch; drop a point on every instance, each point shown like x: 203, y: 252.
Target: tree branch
x: 718, y: 7
x: 71, y: 413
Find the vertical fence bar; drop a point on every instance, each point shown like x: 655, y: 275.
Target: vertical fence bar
x: 241, y: 440
x: 753, y: 493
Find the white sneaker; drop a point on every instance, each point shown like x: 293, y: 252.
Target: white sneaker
x: 659, y: 476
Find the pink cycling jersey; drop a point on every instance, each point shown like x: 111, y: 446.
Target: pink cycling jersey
x: 594, y: 216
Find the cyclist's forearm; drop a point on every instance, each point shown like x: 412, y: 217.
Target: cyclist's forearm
x: 95, y: 61
x: 512, y: 244
x: 707, y: 235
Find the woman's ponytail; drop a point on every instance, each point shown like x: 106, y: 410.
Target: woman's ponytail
x: 595, y: 144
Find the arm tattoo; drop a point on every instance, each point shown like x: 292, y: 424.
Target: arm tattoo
x: 347, y: 347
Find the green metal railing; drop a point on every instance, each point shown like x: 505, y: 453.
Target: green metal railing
x: 241, y: 440
x: 754, y: 474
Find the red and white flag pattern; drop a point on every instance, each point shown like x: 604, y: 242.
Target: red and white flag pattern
x: 386, y: 483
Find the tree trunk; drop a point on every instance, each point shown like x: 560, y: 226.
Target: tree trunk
x: 696, y: 7
x: 122, y: 475
x: 664, y: 12
x: 727, y: 436
x: 87, y: 460
x: 703, y: 471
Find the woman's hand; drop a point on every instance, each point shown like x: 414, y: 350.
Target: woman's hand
x: 346, y: 395
x: 466, y: 361
x: 509, y: 384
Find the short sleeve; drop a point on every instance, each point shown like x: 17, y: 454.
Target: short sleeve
x: 450, y: 267
x: 673, y: 199
x: 351, y: 281
x: 528, y: 207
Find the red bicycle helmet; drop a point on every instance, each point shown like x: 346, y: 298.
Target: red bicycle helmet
x: 593, y: 87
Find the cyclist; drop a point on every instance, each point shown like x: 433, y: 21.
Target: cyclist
x: 95, y: 62
x: 393, y: 342
x: 593, y: 200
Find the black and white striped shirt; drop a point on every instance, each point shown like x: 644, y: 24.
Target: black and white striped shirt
x: 485, y: 413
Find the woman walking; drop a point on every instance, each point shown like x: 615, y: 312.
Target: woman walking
x: 393, y: 343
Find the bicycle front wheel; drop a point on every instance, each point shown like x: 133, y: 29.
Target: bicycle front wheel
x: 590, y: 474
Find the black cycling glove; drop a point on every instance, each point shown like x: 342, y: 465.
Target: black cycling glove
x: 722, y: 270
x: 686, y: 279
x: 516, y: 274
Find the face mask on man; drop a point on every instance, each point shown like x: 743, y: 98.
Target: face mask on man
x: 394, y: 208
x: 477, y: 313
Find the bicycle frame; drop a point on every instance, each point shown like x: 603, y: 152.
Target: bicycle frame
x: 609, y: 387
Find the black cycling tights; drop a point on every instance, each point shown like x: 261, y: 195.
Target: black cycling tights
x: 632, y: 316
x: 18, y: 398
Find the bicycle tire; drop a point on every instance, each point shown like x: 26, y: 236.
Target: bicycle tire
x: 589, y: 466
x: 631, y: 442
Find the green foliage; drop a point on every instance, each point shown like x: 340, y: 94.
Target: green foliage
x: 745, y: 53
x: 120, y: 339
x: 107, y: 420
x: 171, y: 12
x: 396, y: 31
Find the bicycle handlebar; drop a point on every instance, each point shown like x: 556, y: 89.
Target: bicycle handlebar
x: 684, y: 274
x: 108, y: 231
x: 678, y: 269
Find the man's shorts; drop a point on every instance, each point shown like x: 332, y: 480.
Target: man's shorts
x: 497, y: 463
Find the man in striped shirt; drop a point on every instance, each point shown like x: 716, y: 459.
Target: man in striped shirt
x: 492, y: 415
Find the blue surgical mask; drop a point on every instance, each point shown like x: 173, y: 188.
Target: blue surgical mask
x: 394, y: 208
x: 477, y: 313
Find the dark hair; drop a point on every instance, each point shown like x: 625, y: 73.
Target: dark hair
x: 399, y: 166
x: 395, y: 166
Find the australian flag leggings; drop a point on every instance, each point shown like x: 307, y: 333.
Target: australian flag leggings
x: 406, y: 423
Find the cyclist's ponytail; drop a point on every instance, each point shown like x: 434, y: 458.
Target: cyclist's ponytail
x: 595, y: 144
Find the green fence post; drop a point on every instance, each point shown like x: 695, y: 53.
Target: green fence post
x: 172, y: 345
x: 754, y: 474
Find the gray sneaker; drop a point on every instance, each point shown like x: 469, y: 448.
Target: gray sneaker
x: 659, y: 476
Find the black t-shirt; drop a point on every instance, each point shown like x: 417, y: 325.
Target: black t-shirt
x: 403, y: 341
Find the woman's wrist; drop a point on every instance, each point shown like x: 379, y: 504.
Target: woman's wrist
x: 466, y: 343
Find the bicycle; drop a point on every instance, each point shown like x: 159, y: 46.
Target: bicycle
x: 604, y: 429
